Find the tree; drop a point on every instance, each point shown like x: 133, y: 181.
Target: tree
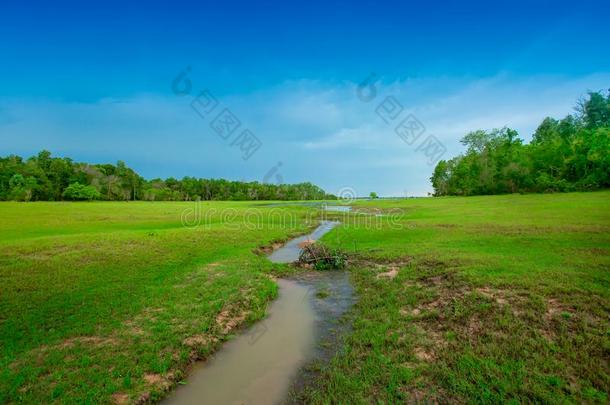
x: 564, y: 155
x: 440, y: 178
x: 77, y: 191
x: 547, y: 131
x: 373, y: 195
x: 596, y: 111
x: 112, y: 185
x: 21, y: 188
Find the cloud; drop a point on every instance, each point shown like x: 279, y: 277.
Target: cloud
x: 321, y: 132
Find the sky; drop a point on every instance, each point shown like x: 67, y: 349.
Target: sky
x: 318, y: 88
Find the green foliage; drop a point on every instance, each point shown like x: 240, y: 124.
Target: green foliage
x: 373, y: 195
x: 77, y: 191
x: 21, y: 188
x: 335, y: 261
x: 46, y: 178
x: 564, y: 155
x: 596, y: 111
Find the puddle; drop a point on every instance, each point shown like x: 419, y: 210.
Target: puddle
x: 265, y: 364
x: 321, y: 205
x: 257, y: 367
x: 338, y: 208
x: 331, y: 295
x: 290, y: 251
x: 291, y: 203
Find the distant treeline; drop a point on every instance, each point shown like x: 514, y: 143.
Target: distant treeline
x: 46, y: 178
x: 564, y: 155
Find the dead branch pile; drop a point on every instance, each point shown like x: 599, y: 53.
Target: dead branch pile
x: 322, y: 257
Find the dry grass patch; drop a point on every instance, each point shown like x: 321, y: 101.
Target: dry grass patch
x: 198, y: 341
x: 119, y: 398
x: 229, y: 319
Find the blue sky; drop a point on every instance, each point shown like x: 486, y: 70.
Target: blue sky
x: 94, y: 82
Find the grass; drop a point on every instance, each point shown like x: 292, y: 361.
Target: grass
x: 478, y: 299
x: 500, y: 298
x: 112, y: 301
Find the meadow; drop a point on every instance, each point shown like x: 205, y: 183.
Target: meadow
x: 480, y: 299
x: 112, y: 301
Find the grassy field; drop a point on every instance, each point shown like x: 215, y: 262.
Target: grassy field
x: 111, y: 301
x: 480, y: 299
x: 477, y: 299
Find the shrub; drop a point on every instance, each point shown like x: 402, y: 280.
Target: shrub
x: 77, y: 191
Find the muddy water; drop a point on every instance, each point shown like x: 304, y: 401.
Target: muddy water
x: 265, y: 364
x: 258, y: 366
x: 290, y: 251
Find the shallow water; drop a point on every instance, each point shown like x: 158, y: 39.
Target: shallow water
x: 258, y: 366
x: 338, y: 208
x: 321, y: 205
x: 265, y: 363
x: 329, y: 327
x: 290, y: 251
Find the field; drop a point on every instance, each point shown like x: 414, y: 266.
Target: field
x: 495, y: 298
x: 108, y: 299
x: 480, y: 298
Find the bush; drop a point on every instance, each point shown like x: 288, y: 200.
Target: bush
x: 21, y: 188
x: 548, y: 184
x: 80, y: 192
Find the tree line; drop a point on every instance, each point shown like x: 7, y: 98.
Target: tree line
x: 47, y: 178
x: 570, y: 154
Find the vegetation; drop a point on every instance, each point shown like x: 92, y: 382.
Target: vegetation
x: 487, y: 299
x: 77, y: 191
x: 46, y: 178
x: 107, y: 301
x: 564, y: 155
x: 484, y: 299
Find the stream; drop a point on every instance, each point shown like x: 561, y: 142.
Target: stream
x: 264, y: 364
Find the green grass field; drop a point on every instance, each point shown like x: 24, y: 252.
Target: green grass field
x: 480, y: 299
x: 501, y: 298
x: 103, y: 299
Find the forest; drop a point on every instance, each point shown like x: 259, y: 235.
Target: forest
x: 47, y: 178
x: 570, y: 154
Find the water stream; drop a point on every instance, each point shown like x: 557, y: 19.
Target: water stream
x: 263, y: 364
x: 291, y: 250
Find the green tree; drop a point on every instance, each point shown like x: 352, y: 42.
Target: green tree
x: 440, y: 178
x: 21, y: 188
x: 564, y: 155
x: 80, y: 192
x: 596, y: 111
